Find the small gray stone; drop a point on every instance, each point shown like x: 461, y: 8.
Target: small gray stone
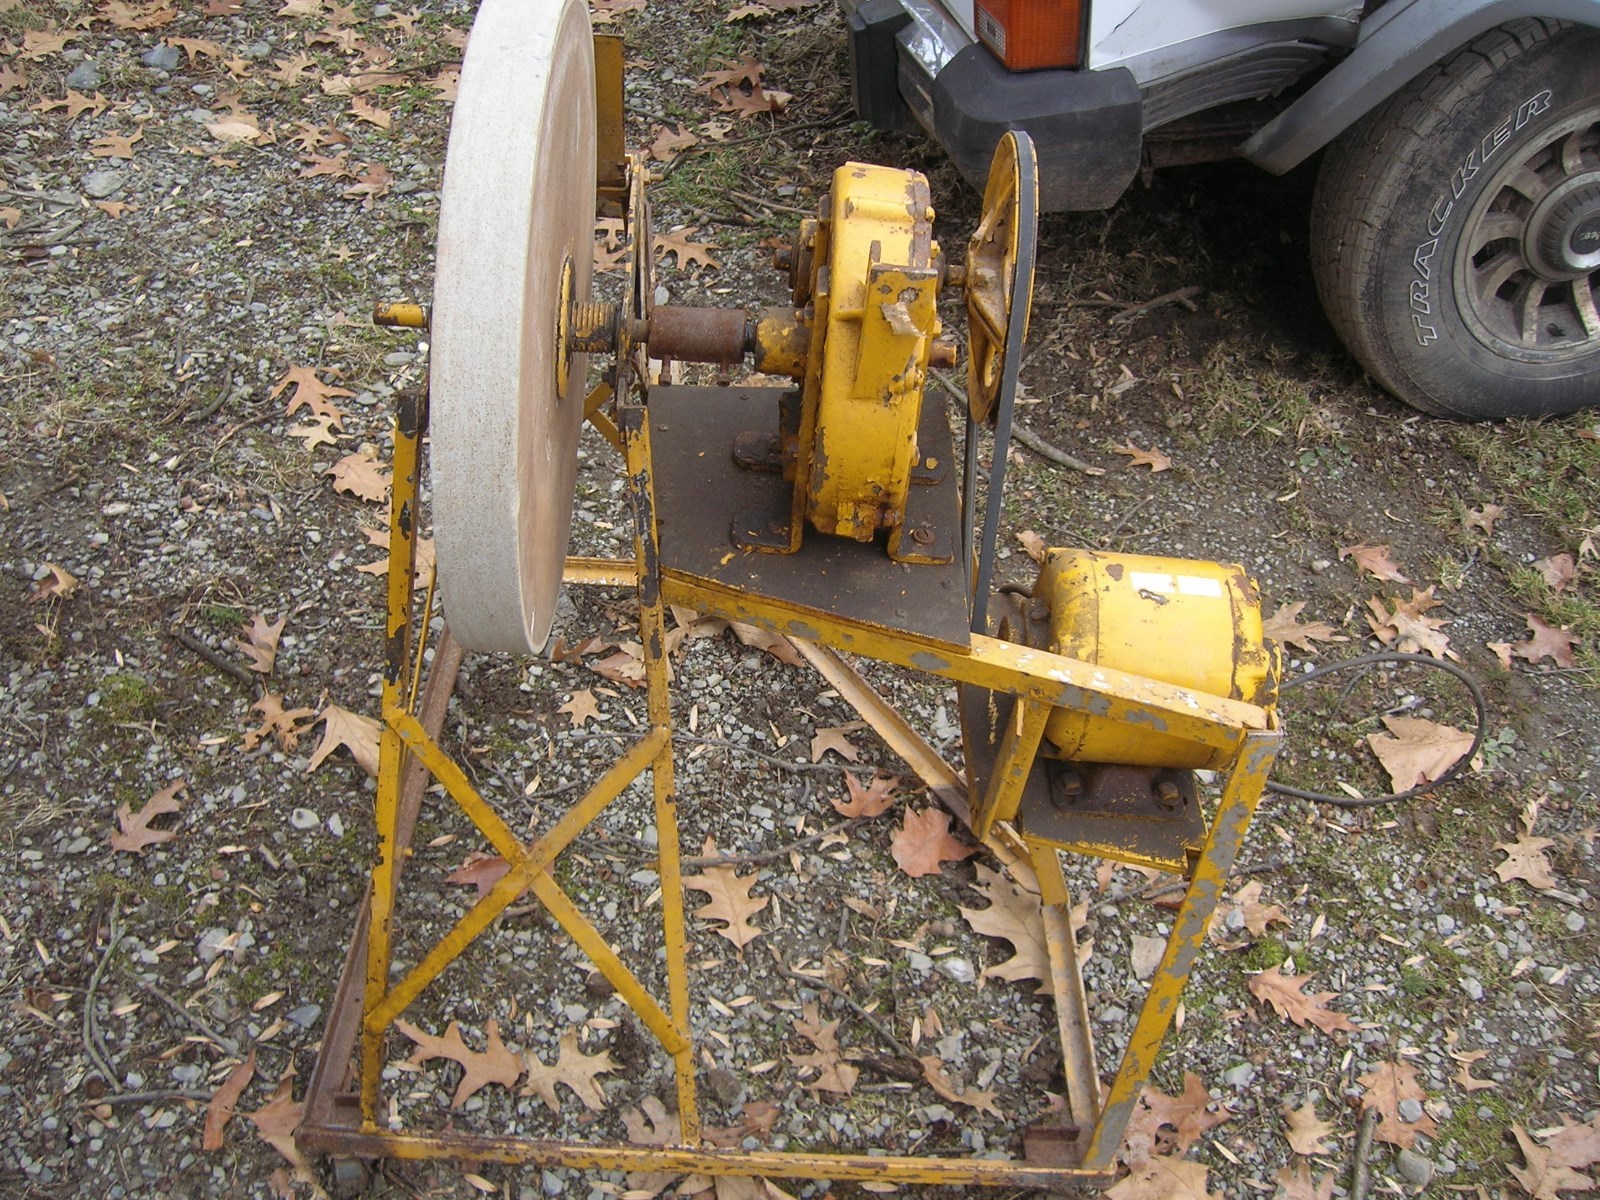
x: 162, y: 58
x: 336, y: 825
x: 85, y: 77
x: 1445, y: 924
x: 1575, y: 922
x: 306, y: 1015
x: 1414, y: 1168
x: 1410, y: 1111
x: 1472, y: 988
x: 210, y: 944
x: 958, y: 969
x: 101, y: 184
x: 304, y: 818
x: 1239, y: 1076
x: 920, y: 963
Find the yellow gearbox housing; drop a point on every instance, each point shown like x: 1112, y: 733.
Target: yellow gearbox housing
x: 1191, y: 624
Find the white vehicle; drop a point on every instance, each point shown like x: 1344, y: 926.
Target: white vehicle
x: 1456, y: 224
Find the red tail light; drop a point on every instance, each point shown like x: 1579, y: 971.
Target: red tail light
x: 1029, y: 34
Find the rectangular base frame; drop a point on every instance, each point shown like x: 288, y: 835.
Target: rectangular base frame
x: 343, y: 1101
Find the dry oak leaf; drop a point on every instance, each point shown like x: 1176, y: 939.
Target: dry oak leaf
x: 1294, y: 1183
x: 1255, y: 915
x: 1165, y: 1179
x: 356, y: 733
x: 626, y: 666
x: 11, y: 80
x: 731, y: 901
x: 775, y: 644
x: 1548, y: 641
x: 115, y: 145
x: 236, y: 127
x: 1187, y: 1116
x: 371, y: 113
x: 260, y: 642
x: 60, y: 585
x: 923, y: 841
x: 1464, y: 1078
x: 1545, y: 1175
x: 1374, y: 560
x: 76, y: 104
x: 481, y: 871
x: 873, y: 800
x: 1386, y: 1088
x: 574, y: 1068
x: 134, y: 833
x: 756, y: 101
x: 1034, y: 545
x: 424, y: 562
x: 1283, y: 993
x: 744, y: 73
x: 833, y: 738
x: 1151, y: 458
x: 582, y: 707
x: 1408, y: 628
x: 497, y: 1064
x: 1559, y: 571
x: 1525, y: 860
x: 310, y: 392
x: 1285, y: 626
x: 1574, y: 1145
x: 361, y: 475
x: 667, y: 145
x: 936, y: 1077
x: 651, y: 1125
x: 1417, y: 751
x: 1305, y: 1129
x: 277, y: 722
x: 1483, y: 518
x: 1013, y: 914
x: 688, y: 252
x: 276, y: 1122
x: 835, y: 1073
x: 224, y: 1102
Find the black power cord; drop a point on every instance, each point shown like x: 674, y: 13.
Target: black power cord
x: 1374, y: 660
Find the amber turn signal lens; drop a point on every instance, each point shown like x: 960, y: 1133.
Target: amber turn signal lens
x: 1027, y: 35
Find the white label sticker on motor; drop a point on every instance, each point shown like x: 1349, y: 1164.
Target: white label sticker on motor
x: 1163, y: 584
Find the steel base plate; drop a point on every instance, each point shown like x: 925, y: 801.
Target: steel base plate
x: 700, y: 489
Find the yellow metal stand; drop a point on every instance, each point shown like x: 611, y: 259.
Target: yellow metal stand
x: 1082, y: 1150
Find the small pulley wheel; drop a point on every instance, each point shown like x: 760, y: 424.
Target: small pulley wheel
x: 999, y: 275
x: 516, y: 247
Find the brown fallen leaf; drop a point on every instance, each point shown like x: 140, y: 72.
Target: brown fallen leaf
x: 923, y: 841
x: 1165, y: 1179
x: 1574, y: 1145
x: 133, y: 833
x: 361, y: 110
x: 276, y: 1122
x: 1386, y: 1088
x: 1284, y: 994
x: 1169, y: 1125
x: 753, y: 101
x: 668, y: 145
x: 652, y: 1125
x: 1013, y: 915
x: 873, y: 800
x: 574, y: 1068
x: 835, y: 1072
x: 224, y: 1101
x: 1559, y: 571
x: 1525, y: 860
x: 1417, y: 751
x: 1408, y: 628
x: 1374, y: 560
x: 60, y: 585
x: 361, y: 475
x: 746, y: 72
x: 1544, y: 1175
x: 115, y: 145
x: 1483, y: 518
x: 422, y: 548
x: 1305, y: 1130
x: 310, y: 392
x: 775, y: 644
x: 498, y: 1064
x: 283, y: 725
x: 687, y: 252
x: 936, y: 1077
x: 582, y: 707
x: 260, y: 642
x: 481, y: 871
x: 1463, y: 1076
x: 626, y: 666
x: 1254, y: 915
x: 1285, y: 626
x: 356, y: 733
x: 731, y: 902
x: 1294, y: 1183
x: 834, y: 738
x: 1548, y: 641
x: 1151, y: 458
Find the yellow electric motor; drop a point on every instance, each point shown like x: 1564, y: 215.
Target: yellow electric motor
x: 1192, y: 624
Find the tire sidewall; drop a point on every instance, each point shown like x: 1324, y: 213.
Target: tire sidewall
x: 1412, y: 290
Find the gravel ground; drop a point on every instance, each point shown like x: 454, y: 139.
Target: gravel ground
x: 214, y: 212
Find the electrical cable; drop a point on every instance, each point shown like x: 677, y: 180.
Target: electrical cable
x: 1480, y: 729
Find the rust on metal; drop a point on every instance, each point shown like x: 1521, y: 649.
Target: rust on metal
x: 782, y: 342
x: 707, y: 335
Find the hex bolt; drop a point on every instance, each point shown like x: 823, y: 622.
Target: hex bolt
x: 1167, y: 794
x: 783, y: 258
x: 1066, y: 785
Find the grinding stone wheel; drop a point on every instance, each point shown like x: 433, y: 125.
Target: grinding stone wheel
x: 519, y: 202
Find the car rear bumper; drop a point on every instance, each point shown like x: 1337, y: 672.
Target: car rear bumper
x: 911, y: 63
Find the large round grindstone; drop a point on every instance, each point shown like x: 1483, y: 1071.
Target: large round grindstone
x: 517, y: 212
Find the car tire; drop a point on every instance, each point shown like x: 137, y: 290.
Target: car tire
x: 1455, y: 230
